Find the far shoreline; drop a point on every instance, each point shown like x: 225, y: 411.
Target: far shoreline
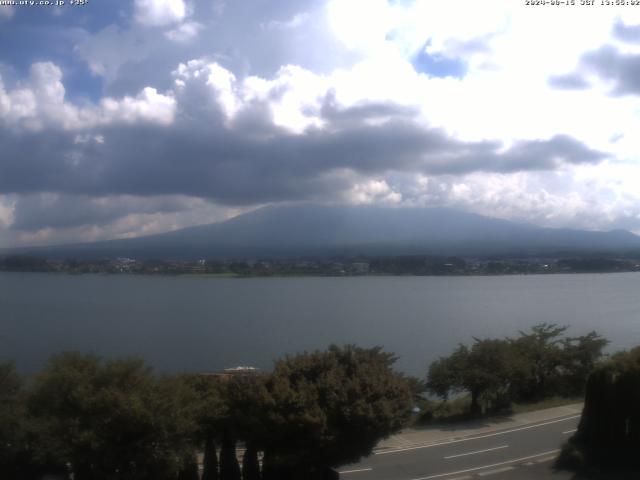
x: 281, y: 276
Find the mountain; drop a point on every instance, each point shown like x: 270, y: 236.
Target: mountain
x: 314, y: 230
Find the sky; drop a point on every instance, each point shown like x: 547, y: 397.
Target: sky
x: 120, y: 119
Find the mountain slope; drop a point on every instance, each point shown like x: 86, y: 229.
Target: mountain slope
x: 320, y: 230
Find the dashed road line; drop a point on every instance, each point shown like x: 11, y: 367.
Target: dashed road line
x: 448, y: 442
x: 476, y: 452
x: 515, y: 460
x: 359, y: 470
x: 546, y: 459
x: 496, y: 471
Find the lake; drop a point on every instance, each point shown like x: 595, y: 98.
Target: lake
x: 192, y: 323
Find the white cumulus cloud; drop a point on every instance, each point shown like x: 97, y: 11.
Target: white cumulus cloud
x: 39, y: 102
x: 159, y: 12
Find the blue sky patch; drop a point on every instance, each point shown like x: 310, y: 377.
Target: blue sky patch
x: 437, y: 65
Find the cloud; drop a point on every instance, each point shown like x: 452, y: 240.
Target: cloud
x: 620, y: 69
x: 43, y: 218
x: 159, y: 12
x: 130, y: 56
x: 570, y: 81
x: 47, y: 210
x: 296, y: 21
x: 356, y: 101
x: 608, y: 66
x: 40, y: 103
x: 6, y: 12
x: 224, y: 145
x: 185, y: 32
x: 626, y: 33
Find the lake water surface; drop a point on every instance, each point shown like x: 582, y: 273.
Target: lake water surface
x: 203, y: 323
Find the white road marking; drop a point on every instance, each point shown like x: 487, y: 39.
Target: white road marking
x: 356, y: 471
x: 448, y: 442
x: 570, y: 431
x: 546, y: 459
x: 477, y: 451
x: 515, y: 460
x: 496, y: 471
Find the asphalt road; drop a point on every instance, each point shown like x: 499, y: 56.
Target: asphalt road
x: 496, y: 452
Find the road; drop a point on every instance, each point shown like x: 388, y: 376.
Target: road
x: 481, y: 455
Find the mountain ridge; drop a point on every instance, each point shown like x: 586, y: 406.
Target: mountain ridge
x: 315, y: 230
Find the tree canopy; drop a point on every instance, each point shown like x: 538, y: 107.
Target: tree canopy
x: 111, y: 419
x: 116, y: 420
x: 532, y: 366
x: 482, y: 369
x: 337, y: 404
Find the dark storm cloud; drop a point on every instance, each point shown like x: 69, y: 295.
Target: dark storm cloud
x: 251, y: 161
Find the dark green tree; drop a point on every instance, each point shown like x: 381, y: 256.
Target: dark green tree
x: 211, y: 413
x: 189, y: 470
x: 250, y: 464
x: 111, y: 419
x: 210, y: 460
x: 484, y: 370
x: 17, y: 459
x: 229, y: 466
x: 445, y: 376
x: 540, y: 356
x: 609, y: 431
x: 248, y: 401
x: 417, y: 387
x: 580, y: 357
x: 331, y: 408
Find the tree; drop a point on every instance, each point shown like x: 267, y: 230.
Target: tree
x: 190, y: 470
x: 229, y: 467
x: 210, y: 460
x: 331, y: 408
x: 248, y: 400
x: 482, y: 370
x: 16, y: 458
x: 211, y: 409
x: 581, y: 355
x: 534, y: 365
x: 540, y: 356
x: 250, y: 464
x: 112, y: 419
x: 609, y: 431
x: 417, y: 387
x: 445, y: 375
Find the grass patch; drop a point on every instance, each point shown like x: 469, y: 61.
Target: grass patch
x: 544, y: 404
